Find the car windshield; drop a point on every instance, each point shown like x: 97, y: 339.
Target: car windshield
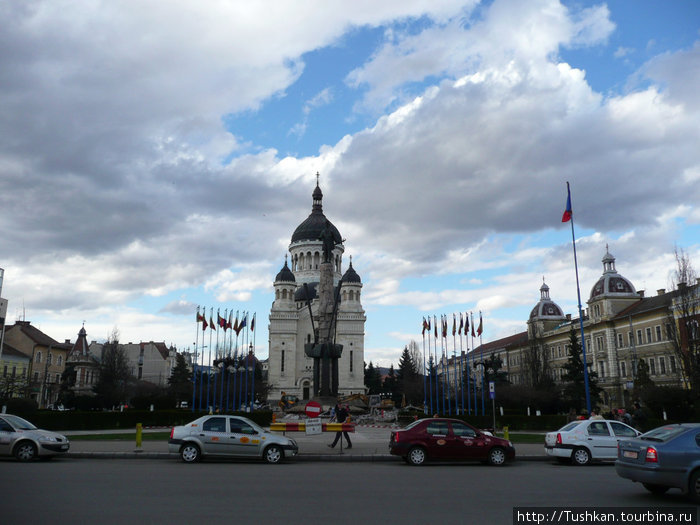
x: 19, y: 423
x: 413, y: 424
x: 570, y: 426
x: 663, y: 433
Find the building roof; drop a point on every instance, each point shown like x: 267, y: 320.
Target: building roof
x: 546, y: 308
x: 311, y: 228
x: 505, y: 343
x: 11, y: 351
x: 285, y: 275
x: 37, y: 335
x: 611, y: 283
x: 350, y: 275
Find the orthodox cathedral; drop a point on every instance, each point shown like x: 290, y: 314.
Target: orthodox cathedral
x: 294, y: 312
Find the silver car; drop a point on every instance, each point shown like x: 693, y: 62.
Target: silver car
x: 232, y: 436
x: 581, y: 442
x: 21, y: 439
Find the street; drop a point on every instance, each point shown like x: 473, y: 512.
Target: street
x: 72, y: 491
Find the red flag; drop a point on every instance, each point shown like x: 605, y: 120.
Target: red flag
x: 235, y: 325
x: 466, y: 325
x: 461, y: 324
x: 444, y: 326
x: 567, y: 212
x: 473, y: 334
x: 425, y: 325
x: 211, y: 322
x: 200, y: 317
x: 481, y: 326
x: 204, y: 324
x: 454, y: 325
x: 221, y: 321
x: 435, y: 325
x: 252, y: 323
x: 228, y: 323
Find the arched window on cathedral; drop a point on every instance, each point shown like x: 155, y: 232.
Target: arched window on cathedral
x: 344, y: 297
x: 309, y: 261
x: 317, y: 260
x: 352, y: 295
x: 284, y: 295
x: 37, y: 357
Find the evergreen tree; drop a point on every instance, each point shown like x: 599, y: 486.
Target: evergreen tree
x: 180, y: 381
x: 390, y: 386
x: 643, y: 384
x: 574, y: 389
x: 410, y: 381
x: 373, y: 379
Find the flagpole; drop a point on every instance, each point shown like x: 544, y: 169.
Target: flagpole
x: 430, y: 368
x: 425, y: 390
x: 467, y: 368
x: 201, y: 368
x: 476, y: 404
x: 216, y: 356
x: 194, y: 360
x: 568, y: 215
x: 483, y: 365
x: 437, y: 384
x: 255, y: 361
x: 454, y: 361
x: 461, y: 363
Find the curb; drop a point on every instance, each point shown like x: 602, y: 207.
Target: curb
x: 300, y: 457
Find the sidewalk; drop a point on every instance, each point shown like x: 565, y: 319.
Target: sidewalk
x: 368, y: 444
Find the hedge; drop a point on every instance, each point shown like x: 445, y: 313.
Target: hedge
x: 102, y: 420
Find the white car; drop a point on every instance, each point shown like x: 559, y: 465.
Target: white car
x: 588, y: 440
x: 224, y: 435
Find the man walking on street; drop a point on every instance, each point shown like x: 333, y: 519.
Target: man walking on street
x: 341, y: 414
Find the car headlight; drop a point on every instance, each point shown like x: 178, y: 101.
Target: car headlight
x: 48, y: 439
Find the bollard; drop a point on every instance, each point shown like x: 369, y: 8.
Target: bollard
x: 139, y: 437
x: 506, y: 435
x: 274, y: 417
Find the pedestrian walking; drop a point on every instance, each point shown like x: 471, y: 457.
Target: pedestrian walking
x: 341, y: 415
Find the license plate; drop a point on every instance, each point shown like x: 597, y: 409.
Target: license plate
x: 632, y: 454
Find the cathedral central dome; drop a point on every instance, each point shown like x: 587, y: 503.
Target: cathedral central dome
x: 311, y: 228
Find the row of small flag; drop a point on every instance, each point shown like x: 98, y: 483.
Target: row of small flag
x: 463, y: 325
x: 227, y: 322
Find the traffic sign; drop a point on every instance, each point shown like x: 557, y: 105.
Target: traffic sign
x: 313, y: 409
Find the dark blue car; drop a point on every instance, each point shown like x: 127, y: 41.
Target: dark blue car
x: 663, y: 458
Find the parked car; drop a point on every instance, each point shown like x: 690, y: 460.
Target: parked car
x: 663, y: 458
x: 21, y: 439
x: 448, y: 439
x: 232, y: 436
x: 581, y: 442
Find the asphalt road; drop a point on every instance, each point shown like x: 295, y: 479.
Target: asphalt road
x: 70, y: 491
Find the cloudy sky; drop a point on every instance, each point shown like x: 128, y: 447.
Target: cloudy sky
x: 156, y: 156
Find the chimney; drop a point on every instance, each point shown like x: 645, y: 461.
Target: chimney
x: 67, y: 341
x: 641, y: 294
x: 660, y: 291
x: 568, y: 317
x: 681, y: 286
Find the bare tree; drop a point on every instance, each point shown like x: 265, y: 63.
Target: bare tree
x: 683, y: 326
x: 115, y: 374
x: 536, y: 367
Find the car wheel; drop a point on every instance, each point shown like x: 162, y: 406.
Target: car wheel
x: 25, y: 451
x: 273, y: 454
x: 655, y: 489
x: 581, y: 456
x: 497, y: 456
x: 416, y: 456
x: 694, y: 486
x: 190, y: 453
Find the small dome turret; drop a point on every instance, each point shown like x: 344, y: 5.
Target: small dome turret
x: 350, y: 275
x: 611, y: 283
x: 285, y: 275
x: 546, y: 308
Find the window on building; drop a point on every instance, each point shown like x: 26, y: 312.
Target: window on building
x: 37, y: 357
x: 559, y: 350
x: 658, y: 332
x: 282, y: 362
x: 620, y: 341
x: 58, y: 378
x: 49, y: 357
x: 59, y: 360
x: 662, y: 365
x: 4, y: 371
x: 652, y: 366
x: 599, y: 343
x: 669, y: 331
x: 672, y: 362
x: 36, y: 376
x: 14, y: 371
x: 351, y: 360
x: 623, y: 369
x: 629, y: 339
x: 639, y: 337
x: 649, y: 335
x: 601, y: 369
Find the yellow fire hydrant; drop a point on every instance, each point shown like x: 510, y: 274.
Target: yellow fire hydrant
x: 139, y: 437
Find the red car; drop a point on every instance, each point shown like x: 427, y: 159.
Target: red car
x: 448, y: 439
